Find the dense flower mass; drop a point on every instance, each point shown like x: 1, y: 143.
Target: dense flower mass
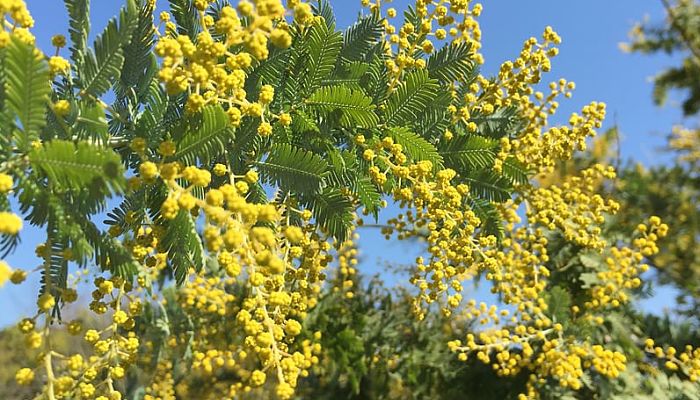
x: 253, y: 143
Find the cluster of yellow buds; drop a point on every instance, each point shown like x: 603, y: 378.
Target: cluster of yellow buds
x: 16, y: 11
x: 574, y: 208
x: 347, y: 266
x: 687, y: 361
x: 280, y: 265
x: 162, y: 384
x: 456, y: 20
x: 625, y: 265
x: 212, y: 69
x: 115, y: 347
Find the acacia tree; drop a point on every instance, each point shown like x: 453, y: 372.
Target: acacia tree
x: 245, y: 142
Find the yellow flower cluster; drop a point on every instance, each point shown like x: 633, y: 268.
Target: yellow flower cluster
x: 625, y: 265
x: 574, y: 207
x: 162, y: 384
x: 438, y: 205
x: 115, y: 348
x: 10, y: 224
x: 15, y: 10
x: 209, y: 69
x: 687, y: 361
x: 6, y: 183
x: 5, y: 273
x: 280, y: 266
x: 347, y: 264
x: 454, y: 19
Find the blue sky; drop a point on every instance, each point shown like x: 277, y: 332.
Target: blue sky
x: 589, y: 55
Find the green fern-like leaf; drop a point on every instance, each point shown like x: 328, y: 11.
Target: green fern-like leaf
x: 361, y: 37
x: 417, y: 148
x: 324, y: 45
x: 186, y: 16
x: 79, y: 28
x: 368, y: 195
x: 104, y: 64
x: 489, y: 185
x: 205, y: 137
x: 54, y: 274
x: 451, y: 63
x: 491, y: 223
x: 356, y: 109
x: 302, y: 122
x: 515, y: 171
x: 343, y: 168
x: 293, y: 169
x: 333, y: 213
x: 27, y: 88
x: 137, y: 53
x: 348, y: 75
x: 108, y: 251
x: 8, y: 243
x: 323, y: 8
x: 410, y: 100
x: 504, y: 122
x: 469, y: 152
x: 78, y: 165
x: 91, y: 123
x: 378, y: 80
x: 184, y: 246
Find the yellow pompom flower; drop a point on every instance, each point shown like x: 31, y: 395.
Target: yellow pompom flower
x: 265, y: 129
x: 148, y: 171
x: 5, y: 183
x: 10, y: 224
x: 58, y: 66
x: 257, y: 378
x: 285, y: 119
x: 24, y: 376
x: 46, y: 302
x: 280, y: 38
x: 61, y: 108
x: 18, y: 276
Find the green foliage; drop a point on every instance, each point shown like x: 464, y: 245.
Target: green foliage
x: 91, y: 123
x: 469, y: 152
x: 489, y: 185
x: 451, y: 63
x: 293, y: 169
x: 204, y: 137
x: 334, y: 213
x: 324, y: 44
x: 103, y: 64
x: 79, y: 28
x: 361, y: 37
x: 487, y: 212
x: 504, y: 122
x: 185, y: 15
x: 183, y: 245
x: 367, y: 195
x: 414, y: 146
x: 27, y: 89
x: 139, y: 62
x: 78, y: 165
x: 354, y: 107
x: 676, y: 34
x: 411, y: 99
